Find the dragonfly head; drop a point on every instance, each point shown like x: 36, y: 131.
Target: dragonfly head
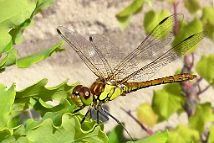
x: 84, y: 94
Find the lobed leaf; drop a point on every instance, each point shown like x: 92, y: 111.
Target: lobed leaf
x: 208, y: 21
x: 37, y: 57
x: 7, y: 97
x: 146, y: 115
x: 159, y: 137
x: 15, y: 16
x: 192, y: 5
x: 195, y: 26
x: 39, y: 91
x: 124, y: 15
x: 183, y: 134
x: 116, y: 135
x: 205, y: 68
x: 68, y: 131
x: 211, y: 134
x: 152, y: 18
x: 167, y: 101
x: 203, y: 115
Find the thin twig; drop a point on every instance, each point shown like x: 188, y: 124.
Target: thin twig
x: 202, y: 91
x: 148, y: 131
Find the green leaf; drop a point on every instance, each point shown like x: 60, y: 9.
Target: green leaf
x: 167, y: 101
x: 203, y: 115
x: 124, y: 15
x: 43, y: 4
x: 195, y: 26
x: 56, y: 112
x: 205, y: 68
x: 7, y: 97
x: 208, y: 13
x: 152, y: 18
x: 11, y: 59
x: 183, y: 134
x: 146, y: 115
x: 39, y: 91
x: 211, y: 135
x: 208, y: 21
x: 192, y: 5
x: 116, y: 135
x: 15, y: 16
x: 13, y: 13
x: 35, y: 58
x: 68, y: 131
x: 159, y: 137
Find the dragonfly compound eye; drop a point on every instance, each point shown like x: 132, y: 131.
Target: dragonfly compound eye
x: 76, y: 90
x: 86, y: 96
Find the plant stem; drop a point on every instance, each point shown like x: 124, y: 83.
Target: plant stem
x: 148, y: 131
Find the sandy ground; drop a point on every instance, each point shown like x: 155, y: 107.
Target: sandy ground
x: 96, y: 16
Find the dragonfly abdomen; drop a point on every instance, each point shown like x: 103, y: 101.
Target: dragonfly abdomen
x: 133, y: 86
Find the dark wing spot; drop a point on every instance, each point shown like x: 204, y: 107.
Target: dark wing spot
x: 162, y: 21
x: 58, y: 31
x: 90, y: 38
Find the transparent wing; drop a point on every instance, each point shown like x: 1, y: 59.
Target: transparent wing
x: 88, y: 50
x: 171, y: 55
x: 154, y: 45
x: 111, y: 53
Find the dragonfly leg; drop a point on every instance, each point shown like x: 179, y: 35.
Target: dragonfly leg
x: 104, y: 115
x: 77, y: 110
x: 86, y: 114
x: 98, y: 117
x: 106, y: 112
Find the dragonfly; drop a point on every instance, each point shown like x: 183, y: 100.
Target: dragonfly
x: 115, y: 78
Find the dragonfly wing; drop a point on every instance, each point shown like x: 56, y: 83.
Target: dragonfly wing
x: 171, y: 55
x: 105, y: 45
x: 154, y: 45
x: 87, y: 51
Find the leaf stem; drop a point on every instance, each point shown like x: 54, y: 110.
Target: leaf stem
x: 148, y: 131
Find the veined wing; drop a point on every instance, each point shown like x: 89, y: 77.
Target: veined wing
x: 108, y: 49
x: 154, y: 45
x: 88, y: 51
x: 171, y: 55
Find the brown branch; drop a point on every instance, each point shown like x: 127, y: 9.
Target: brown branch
x: 148, y: 131
x: 205, y: 89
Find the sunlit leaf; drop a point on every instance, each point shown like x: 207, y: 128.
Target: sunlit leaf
x: 183, y: 134
x: 195, y: 26
x: 39, y: 91
x: 208, y: 21
x: 15, y: 16
x: 192, y: 5
x: 116, y: 135
x: 4, y: 134
x: 203, y: 115
x: 68, y: 131
x: 37, y: 57
x: 43, y: 4
x: 56, y: 112
x: 159, y: 137
x: 13, y: 13
x: 205, y: 68
x: 146, y: 115
x: 124, y: 15
x: 167, y: 101
x: 211, y: 135
x: 152, y: 18
x: 7, y: 97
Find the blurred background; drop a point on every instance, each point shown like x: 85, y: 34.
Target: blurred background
x: 103, y: 17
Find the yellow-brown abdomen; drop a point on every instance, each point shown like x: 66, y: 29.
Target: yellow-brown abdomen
x: 132, y: 86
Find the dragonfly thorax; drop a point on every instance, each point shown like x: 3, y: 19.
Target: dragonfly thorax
x: 99, y: 92
x: 105, y: 91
